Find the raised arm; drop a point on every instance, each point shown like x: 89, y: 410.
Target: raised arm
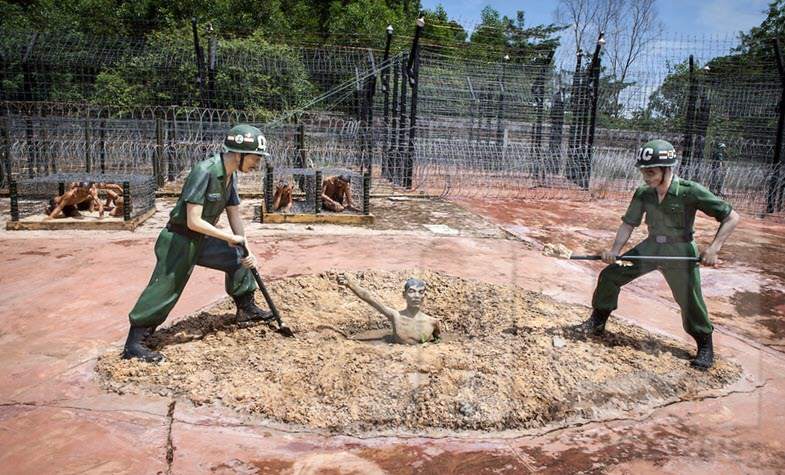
x: 366, y: 296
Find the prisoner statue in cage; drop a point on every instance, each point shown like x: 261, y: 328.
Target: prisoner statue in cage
x: 337, y: 194
x: 410, y: 326
x: 282, y: 199
x: 191, y: 238
x: 80, y: 196
x: 669, y: 204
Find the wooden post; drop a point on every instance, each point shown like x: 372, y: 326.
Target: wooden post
x: 12, y: 190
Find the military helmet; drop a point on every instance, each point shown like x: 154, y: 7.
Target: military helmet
x: 656, y: 153
x: 244, y: 138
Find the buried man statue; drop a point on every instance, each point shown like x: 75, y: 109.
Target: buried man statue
x: 191, y: 238
x: 669, y: 204
x: 410, y: 326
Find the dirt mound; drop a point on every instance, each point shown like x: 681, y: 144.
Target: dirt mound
x: 508, y: 361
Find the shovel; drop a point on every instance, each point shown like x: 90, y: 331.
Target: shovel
x: 282, y: 329
x: 639, y: 258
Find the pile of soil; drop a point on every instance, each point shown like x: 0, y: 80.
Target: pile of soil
x: 508, y: 361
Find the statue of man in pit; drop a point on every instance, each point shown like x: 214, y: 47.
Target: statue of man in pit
x: 410, y: 326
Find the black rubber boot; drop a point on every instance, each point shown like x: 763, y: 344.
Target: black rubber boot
x: 248, y: 311
x: 595, y: 325
x: 705, y: 357
x: 134, y: 348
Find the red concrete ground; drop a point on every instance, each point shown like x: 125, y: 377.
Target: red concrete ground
x: 65, y: 298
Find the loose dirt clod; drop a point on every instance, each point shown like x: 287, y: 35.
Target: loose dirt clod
x: 556, y: 250
x: 497, y: 367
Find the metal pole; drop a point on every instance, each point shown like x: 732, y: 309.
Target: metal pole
x: 775, y: 188
x: 12, y: 190
x: 398, y: 170
x: 102, y: 145
x: 686, y: 154
x: 367, y: 194
x: 414, y: 63
x: 88, y: 160
x: 393, y: 145
x: 596, y: 64
x: 158, y: 157
x: 500, y: 109
x: 268, y: 189
x: 199, y: 53
x: 126, y: 201
x: 27, y: 85
x: 170, y: 151
x: 212, y: 46
x: 317, y: 192
x: 386, y: 98
x: 556, y: 131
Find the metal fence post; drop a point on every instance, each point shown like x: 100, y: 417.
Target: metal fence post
x: 102, y: 145
x: 158, y: 157
x: 398, y: 170
x: 88, y: 159
x: 126, y: 201
x: 268, y: 189
x: 414, y: 80
x: 386, y: 99
x: 596, y: 64
x: 367, y: 194
x: 317, y: 192
x: 12, y: 190
x: 686, y: 154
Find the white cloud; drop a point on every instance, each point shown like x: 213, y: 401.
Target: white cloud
x: 731, y: 16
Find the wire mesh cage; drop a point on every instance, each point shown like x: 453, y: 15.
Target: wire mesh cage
x: 103, y: 197
x: 293, y: 190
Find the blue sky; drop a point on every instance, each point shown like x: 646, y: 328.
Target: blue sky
x: 686, y: 17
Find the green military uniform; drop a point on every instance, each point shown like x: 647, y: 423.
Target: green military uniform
x: 670, y: 225
x: 177, y: 250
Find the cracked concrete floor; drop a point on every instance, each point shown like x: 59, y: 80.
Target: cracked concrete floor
x: 65, y: 300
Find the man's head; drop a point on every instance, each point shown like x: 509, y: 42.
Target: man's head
x: 248, y: 142
x: 656, y: 160
x: 345, y: 178
x: 283, y: 183
x: 414, y: 293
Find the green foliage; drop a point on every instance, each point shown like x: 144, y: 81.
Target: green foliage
x: 253, y: 75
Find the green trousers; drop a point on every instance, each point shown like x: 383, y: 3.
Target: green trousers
x: 176, y: 257
x: 683, y: 279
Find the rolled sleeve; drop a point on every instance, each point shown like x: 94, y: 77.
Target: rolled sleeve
x: 709, y: 203
x: 634, y: 214
x: 195, y: 186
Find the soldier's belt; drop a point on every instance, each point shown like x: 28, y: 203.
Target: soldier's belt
x: 661, y: 239
x: 183, y: 230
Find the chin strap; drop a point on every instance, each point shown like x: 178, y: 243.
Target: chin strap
x: 242, y: 159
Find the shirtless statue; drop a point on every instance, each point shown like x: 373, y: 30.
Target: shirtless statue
x: 79, y: 196
x: 283, y: 196
x: 410, y: 326
x: 337, y: 194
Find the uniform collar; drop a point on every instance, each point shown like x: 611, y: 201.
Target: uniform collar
x: 674, y: 188
x: 221, y: 171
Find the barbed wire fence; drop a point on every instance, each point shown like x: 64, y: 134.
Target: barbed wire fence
x: 422, y: 119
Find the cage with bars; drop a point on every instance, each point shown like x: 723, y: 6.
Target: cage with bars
x: 130, y: 200
x: 294, y: 195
